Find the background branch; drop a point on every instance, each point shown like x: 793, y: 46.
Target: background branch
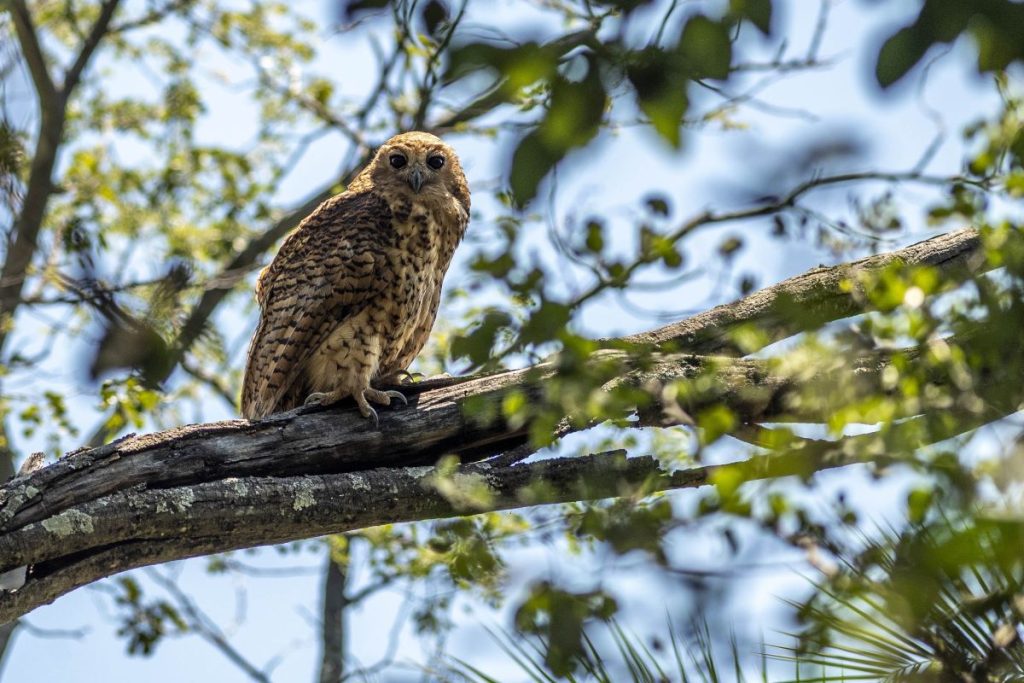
x: 816, y: 294
x: 332, y: 660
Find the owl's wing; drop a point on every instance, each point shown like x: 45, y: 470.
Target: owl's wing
x: 324, y: 272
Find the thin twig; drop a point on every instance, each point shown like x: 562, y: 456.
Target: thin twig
x: 201, y: 624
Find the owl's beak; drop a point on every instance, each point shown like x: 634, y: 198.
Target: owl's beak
x: 416, y: 179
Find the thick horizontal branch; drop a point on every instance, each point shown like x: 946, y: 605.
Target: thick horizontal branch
x: 140, y: 527
x: 438, y: 421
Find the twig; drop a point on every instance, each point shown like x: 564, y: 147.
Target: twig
x: 207, y: 630
x: 99, y: 30
x: 33, y: 54
x: 41, y: 632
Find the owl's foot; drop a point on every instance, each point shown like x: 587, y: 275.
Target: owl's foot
x: 364, y: 397
x: 323, y: 398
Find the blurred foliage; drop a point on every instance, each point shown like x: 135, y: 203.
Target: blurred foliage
x: 573, y: 91
x: 671, y: 656
x: 994, y: 26
x: 938, y: 601
x: 144, y: 623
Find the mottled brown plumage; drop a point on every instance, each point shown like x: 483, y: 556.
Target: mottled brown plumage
x: 352, y: 294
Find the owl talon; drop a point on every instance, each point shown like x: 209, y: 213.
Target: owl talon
x: 319, y: 398
x: 365, y: 408
x: 405, y: 377
x: 399, y: 395
x: 371, y: 415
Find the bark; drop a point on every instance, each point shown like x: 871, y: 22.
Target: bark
x: 6, y: 634
x: 332, y: 661
x: 216, y: 487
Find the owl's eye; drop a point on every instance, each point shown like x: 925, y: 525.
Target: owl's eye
x: 397, y: 161
x: 435, y: 162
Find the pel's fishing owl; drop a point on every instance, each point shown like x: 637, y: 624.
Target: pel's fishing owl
x: 351, y: 296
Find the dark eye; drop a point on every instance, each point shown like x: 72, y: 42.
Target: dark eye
x: 397, y: 161
x: 435, y: 162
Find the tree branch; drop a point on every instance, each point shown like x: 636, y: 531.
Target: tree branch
x: 437, y: 422
x: 32, y: 51
x: 52, y: 112
x: 332, y: 660
x: 6, y: 633
x: 816, y: 295
x: 159, y: 525
x: 92, y: 41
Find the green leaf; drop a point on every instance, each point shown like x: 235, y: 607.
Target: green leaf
x: 757, y: 12
x: 919, y: 501
x: 559, y: 616
x: 706, y: 47
x: 658, y: 205
x: 941, y: 21
x: 533, y: 159
x: 572, y: 119
x: 660, y: 83
x: 626, y: 527
x: 715, y: 422
x: 546, y: 323
x: 898, y: 55
x: 575, y: 111
x: 595, y: 236
x: 477, y: 346
x: 519, y: 66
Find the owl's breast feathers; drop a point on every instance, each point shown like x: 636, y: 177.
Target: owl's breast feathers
x: 361, y: 265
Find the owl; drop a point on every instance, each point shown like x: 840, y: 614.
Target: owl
x: 351, y: 296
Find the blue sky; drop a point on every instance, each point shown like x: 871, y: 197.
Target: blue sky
x: 276, y: 617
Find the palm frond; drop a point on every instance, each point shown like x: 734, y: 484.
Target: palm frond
x: 926, y: 603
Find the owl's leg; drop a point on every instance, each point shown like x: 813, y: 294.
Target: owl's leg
x: 348, y: 370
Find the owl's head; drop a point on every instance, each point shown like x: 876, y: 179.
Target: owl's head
x: 419, y: 164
